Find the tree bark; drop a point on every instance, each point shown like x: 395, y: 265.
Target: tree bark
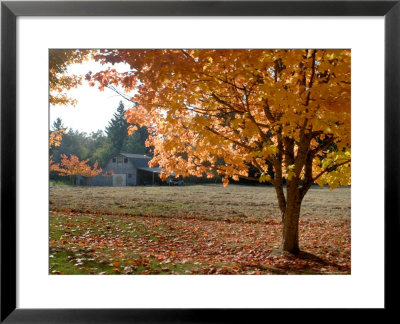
x: 290, y: 232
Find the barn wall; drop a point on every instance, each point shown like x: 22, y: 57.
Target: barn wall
x: 134, y: 176
x: 131, y: 178
x: 123, y: 168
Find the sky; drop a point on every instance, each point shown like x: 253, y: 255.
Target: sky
x: 94, y: 108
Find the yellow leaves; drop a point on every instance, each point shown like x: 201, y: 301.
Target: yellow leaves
x: 250, y: 129
x: 338, y: 167
x: 264, y: 178
x: 256, y: 154
x: 340, y: 177
x: 59, y: 81
x: 330, y: 56
x: 269, y: 150
x: 228, y: 109
x: 290, y: 172
x: 326, y: 163
x: 235, y: 123
x: 266, y: 152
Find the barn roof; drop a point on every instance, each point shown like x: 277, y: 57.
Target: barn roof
x: 153, y: 170
x: 138, y: 156
x: 138, y: 160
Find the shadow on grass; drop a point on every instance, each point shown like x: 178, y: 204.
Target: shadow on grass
x: 303, y: 255
x: 305, y: 263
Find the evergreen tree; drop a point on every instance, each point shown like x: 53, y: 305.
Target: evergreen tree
x: 59, y: 129
x: 135, y: 143
x: 58, y: 125
x: 117, y: 129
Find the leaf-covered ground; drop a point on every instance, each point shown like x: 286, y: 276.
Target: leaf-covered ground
x: 89, y: 236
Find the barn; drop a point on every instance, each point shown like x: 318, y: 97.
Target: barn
x: 125, y: 169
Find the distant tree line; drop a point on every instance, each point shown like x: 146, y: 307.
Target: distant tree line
x: 99, y: 145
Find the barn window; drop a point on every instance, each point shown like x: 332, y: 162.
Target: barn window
x: 126, y: 160
x: 114, y: 160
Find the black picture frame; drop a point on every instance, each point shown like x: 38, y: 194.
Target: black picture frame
x: 10, y: 10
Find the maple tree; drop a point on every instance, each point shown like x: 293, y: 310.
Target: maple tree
x: 247, y: 108
x: 53, y: 166
x: 59, y: 81
x: 71, y: 166
x: 92, y: 172
x: 55, y: 138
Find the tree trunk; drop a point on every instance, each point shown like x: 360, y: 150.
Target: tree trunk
x: 290, y: 233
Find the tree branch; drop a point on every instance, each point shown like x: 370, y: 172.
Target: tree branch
x: 307, y: 185
x: 229, y: 139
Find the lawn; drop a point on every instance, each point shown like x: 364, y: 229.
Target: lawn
x: 202, y: 229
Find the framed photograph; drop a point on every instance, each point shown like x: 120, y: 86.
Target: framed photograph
x: 161, y: 159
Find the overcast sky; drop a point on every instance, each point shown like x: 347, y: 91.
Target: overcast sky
x: 94, y: 108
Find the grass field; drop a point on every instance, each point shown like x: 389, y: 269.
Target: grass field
x: 202, y: 229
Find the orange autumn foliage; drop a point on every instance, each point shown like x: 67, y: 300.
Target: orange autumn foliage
x: 55, y: 138
x: 247, y: 107
x: 71, y: 166
x: 59, y: 79
x: 60, y: 82
x: 233, y: 110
